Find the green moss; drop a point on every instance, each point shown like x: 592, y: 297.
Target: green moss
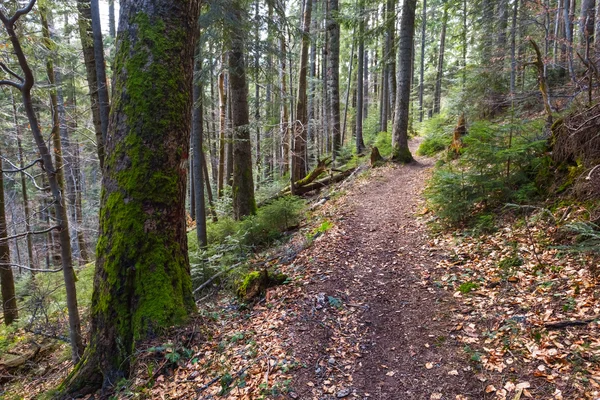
x: 402, y: 155
x: 257, y: 282
x: 144, y: 283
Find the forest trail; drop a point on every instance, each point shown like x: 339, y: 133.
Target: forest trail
x: 392, y: 339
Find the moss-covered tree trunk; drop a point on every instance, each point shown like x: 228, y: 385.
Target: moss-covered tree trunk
x: 243, y: 181
x: 142, y: 280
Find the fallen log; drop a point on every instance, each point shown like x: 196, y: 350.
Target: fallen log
x: 324, y: 182
x: 313, y: 175
x: 565, y: 324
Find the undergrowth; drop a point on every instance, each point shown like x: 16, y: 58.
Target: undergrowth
x: 231, y: 242
x: 497, y: 164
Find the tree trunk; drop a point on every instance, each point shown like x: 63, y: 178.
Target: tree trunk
x: 437, y: 96
x: 87, y: 44
x: 311, y: 131
x: 57, y: 179
x: 7, y: 282
x: 569, y: 37
x: 587, y: 21
x: 222, y: 126
x: 391, y: 57
x: 501, y: 26
x: 400, y: 150
x: 111, y: 19
x: 333, y: 74
x: 299, y: 164
x: 284, y: 122
x: 360, y: 86
x: 422, y: 70
x: 142, y: 281
x: 243, y: 182
x: 513, y: 46
x: 198, y: 152
x: 103, y: 101
x: 26, y: 209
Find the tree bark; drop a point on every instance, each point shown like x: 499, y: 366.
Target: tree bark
x: 437, y: 95
x: 243, y: 181
x: 587, y: 21
x: 87, y: 44
x: 360, y: 86
x: 103, y: 101
x: 333, y: 74
x: 198, y: 152
x: 26, y: 207
x: 284, y: 122
x: 7, y: 281
x: 299, y: 164
x: 142, y: 279
x: 400, y: 150
x: 57, y: 179
x: 422, y: 69
x: 222, y: 126
x: 111, y: 18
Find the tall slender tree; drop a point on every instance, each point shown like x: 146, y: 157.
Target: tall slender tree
x: 243, y: 180
x: 400, y: 151
x: 333, y: 74
x: 299, y: 162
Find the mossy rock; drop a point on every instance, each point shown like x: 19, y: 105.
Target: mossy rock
x: 256, y: 283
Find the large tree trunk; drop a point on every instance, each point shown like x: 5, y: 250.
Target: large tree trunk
x: 400, y: 150
x: 142, y: 281
x: 87, y: 44
x: 7, y: 282
x: 333, y: 74
x: 299, y: 164
x: 437, y: 95
x: 243, y: 182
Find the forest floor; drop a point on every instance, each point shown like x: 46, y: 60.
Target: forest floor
x: 378, y: 307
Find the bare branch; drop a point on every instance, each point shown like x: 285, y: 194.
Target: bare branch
x: 13, y: 171
x: 23, y: 234
x: 11, y: 72
x: 6, y: 82
x: 26, y: 173
x: 28, y: 268
x: 22, y: 11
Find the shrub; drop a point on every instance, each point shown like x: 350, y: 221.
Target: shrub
x: 488, y: 173
x: 231, y: 242
x: 438, y: 135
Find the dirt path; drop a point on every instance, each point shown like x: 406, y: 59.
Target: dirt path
x: 370, y: 323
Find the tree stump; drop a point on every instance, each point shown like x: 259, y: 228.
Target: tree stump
x: 459, y: 132
x: 376, y: 158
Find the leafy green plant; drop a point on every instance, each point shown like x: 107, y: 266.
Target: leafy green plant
x: 587, y: 237
x: 437, y: 133
x: 467, y: 287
